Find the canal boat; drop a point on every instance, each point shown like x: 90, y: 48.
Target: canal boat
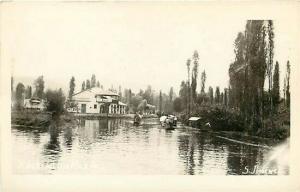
x: 168, y: 122
x: 137, y: 119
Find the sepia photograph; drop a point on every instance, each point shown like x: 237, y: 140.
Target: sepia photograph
x: 147, y: 89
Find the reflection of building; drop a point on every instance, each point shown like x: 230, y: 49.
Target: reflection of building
x: 34, y: 104
x: 97, y: 100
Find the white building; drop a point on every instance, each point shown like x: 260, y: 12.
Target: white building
x: 97, y: 100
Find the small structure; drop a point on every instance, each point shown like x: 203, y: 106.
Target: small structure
x: 195, y: 122
x: 35, y: 103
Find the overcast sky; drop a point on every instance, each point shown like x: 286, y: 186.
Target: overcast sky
x: 131, y: 45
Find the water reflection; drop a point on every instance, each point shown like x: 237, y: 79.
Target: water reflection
x: 68, y: 137
x: 52, y: 149
x: 115, y: 146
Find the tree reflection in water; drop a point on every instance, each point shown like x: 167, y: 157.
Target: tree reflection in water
x: 52, y: 149
x: 68, y: 137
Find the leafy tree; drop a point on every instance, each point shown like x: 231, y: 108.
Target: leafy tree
x: 20, y: 89
x: 222, y: 98
x: 217, y: 95
x: 83, y: 86
x: 141, y: 93
x: 226, y: 97
x: 171, y: 94
x: 120, y: 92
x: 188, y: 64
x: 129, y: 96
x: 183, y: 94
x: 194, y: 75
x: 270, y: 49
x: 142, y: 105
x: 256, y: 57
x: 288, y: 73
x: 28, y: 92
x: 178, y: 104
x: 148, y: 94
x: 39, y: 84
x: 160, y: 101
x: 72, y: 87
x: 135, y: 102
x: 88, y: 84
x: 238, y: 78
x: 211, y: 94
x: 93, y: 81
x: 203, y: 79
x: 55, y: 101
x: 276, y: 89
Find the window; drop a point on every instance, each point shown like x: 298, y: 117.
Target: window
x: 95, y: 106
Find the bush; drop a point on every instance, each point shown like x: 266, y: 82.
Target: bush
x: 55, y: 101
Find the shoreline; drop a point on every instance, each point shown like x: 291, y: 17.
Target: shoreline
x: 42, y: 120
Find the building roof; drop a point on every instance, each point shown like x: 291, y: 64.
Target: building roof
x: 97, y: 91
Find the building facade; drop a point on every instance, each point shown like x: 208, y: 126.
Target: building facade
x: 97, y: 100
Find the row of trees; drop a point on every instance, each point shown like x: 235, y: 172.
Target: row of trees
x: 138, y: 102
x: 89, y: 83
x: 253, y: 65
x: 190, y: 100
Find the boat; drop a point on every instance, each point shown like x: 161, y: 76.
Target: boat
x: 199, y: 123
x: 169, y: 122
x: 137, y: 119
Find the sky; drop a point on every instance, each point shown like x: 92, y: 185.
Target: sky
x: 131, y: 45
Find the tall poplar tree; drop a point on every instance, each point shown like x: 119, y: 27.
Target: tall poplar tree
x: 93, y: 81
x: 195, y: 75
x: 39, y: 84
x: 83, y: 86
x: 72, y: 87
x: 288, y: 73
x: 20, y: 89
x: 270, y: 52
x: 88, y: 84
x: 203, y: 79
x: 276, y: 89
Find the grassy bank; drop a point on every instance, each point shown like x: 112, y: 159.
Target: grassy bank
x: 31, y: 118
x: 36, y: 119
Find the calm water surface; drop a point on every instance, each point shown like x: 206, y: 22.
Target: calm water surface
x: 115, y: 146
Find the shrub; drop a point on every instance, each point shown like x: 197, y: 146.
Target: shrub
x: 55, y: 101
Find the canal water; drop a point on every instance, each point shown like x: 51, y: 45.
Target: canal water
x: 115, y: 146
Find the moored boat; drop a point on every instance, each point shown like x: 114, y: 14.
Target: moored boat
x: 137, y: 119
x: 169, y: 122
